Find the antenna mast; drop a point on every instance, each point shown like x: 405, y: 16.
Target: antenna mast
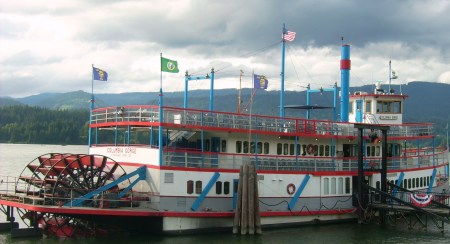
x: 240, y: 91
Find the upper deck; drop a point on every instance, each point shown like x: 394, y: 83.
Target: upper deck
x: 193, y: 119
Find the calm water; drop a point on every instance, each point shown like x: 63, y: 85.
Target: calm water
x: 14, y: 157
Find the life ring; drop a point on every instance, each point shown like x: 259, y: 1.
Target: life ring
x: 290, y: 189
x: 310, y: 149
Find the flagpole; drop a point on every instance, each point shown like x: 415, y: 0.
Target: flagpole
x: 91, y: 107
x: 161, y: 119
x: 283, y: 47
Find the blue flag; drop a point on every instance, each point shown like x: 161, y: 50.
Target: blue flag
x: 99, y: 74
x: 260, y: 82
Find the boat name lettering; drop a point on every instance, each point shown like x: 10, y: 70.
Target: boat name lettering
x: 388, y: 117
x: 127, y: 150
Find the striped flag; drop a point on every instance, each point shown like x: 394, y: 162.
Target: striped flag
x: 288, y: 36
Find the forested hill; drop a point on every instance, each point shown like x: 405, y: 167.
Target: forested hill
x: 25, y: 124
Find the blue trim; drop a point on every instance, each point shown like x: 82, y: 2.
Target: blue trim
x: 399, y: 183
x: 160, y: 128
x: 187, y: 78
x: 205, y: 192
x: 235, y: 192
x: 298, y: 192
x: 433, y: 178
x: 141, y: 172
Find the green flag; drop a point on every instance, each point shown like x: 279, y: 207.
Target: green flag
x: 168, y: 65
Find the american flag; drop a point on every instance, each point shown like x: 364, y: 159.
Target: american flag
x: 288, y: 36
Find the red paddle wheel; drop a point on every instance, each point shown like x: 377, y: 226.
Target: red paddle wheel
x: 56, y: 179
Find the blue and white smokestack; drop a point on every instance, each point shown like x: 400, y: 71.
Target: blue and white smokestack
x: 345, y: 80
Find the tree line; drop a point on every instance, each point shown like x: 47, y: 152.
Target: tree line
x: 36, y: 125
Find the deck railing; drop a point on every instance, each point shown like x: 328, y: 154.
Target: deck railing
x: 139, y: 115
x: 179, y: 158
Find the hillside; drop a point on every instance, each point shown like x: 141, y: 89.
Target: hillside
x: 427, y: 102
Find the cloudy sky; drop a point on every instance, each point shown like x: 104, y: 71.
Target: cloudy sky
x: 50, y: 46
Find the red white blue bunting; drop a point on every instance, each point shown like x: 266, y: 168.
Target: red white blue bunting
x: 420, y: 199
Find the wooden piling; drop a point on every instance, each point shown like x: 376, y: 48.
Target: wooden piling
x: 246, y: 215
x: 251, y: 199
x: 244, y: 212
x: 237, y: 212
x: 257, y: 214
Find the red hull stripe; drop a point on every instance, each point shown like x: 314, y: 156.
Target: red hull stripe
x: 134, y: 213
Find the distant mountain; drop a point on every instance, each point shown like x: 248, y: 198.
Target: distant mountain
x: 8, y: 101
x: 427, y: 101
x: 34, y: 100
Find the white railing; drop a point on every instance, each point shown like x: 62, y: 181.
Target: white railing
x: 130, y: 115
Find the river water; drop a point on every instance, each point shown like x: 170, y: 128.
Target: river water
x: 14, y: 157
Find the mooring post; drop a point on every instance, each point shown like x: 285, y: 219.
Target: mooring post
x: 238, y: 210
x: 361, y: 189
x: 384, y: 180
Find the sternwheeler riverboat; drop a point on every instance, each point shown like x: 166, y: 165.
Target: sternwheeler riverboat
x: 185, y: 178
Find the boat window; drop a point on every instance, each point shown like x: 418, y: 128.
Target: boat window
x: 316, y: 151
x: 321, y: 150
x: 340, y: 185
x: 389, y: 107
x: 291, y: 149
x: 421, y: 181
x: 286, y: 149
x: 377, y: 151
x: 224, y: 145
x: 266, y: 148
x: 226, y: 187
x: 396, y: 107
x: 190, y: 187
x: 333, y: 186
x: 350, y: 107
x: 326, y: 186
x: 409, y: 183
x: 304, y: 150
x: 327, y: 150
x: 245, y: 146
x: 259, y: 147
x: 198, y: 187
x: 252, y: 147
x: 238, y: 146
x: 417, y: 182
x: 218, y: 187
x: 347, y: 185
x: 368, y: 106
x: 368, y: 151
x: 207, y: 148
x: 279, y: 148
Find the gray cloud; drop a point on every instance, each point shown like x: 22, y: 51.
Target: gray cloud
x: 50, y: 47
